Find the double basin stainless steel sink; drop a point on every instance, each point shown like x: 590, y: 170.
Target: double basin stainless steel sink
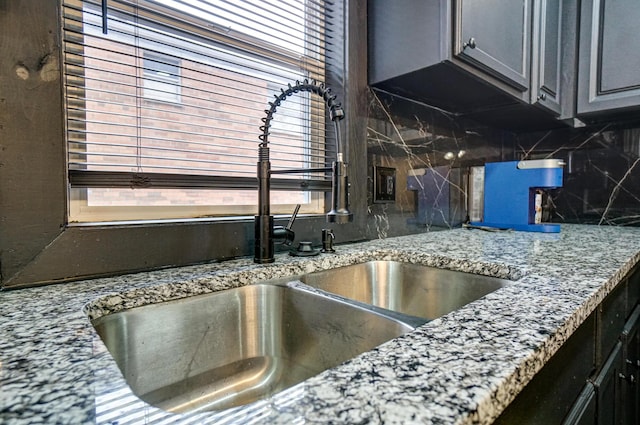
x: 410, y: 289
x: 233, y: 347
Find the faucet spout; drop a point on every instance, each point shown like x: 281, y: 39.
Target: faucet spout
x: 339, y: 213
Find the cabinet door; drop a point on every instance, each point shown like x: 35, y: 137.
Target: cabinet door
x: 495, y: 36
x: 552, y: 393
x: 546, y: 55
x: 633, y: 298
x: 631, y: 369
x: 608, y: 389
x: 584, y: 409
x: 608, y: 77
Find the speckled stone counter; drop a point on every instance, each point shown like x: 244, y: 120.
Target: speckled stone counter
x: 463, y: 368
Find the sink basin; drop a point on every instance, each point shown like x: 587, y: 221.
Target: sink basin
x: 417, y: 290
x: 236, y: 346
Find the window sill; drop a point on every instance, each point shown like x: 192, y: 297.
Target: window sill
x: 200, y: 220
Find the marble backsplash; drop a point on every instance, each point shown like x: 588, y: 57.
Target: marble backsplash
x: 427, y: 152
x: 602, y: 173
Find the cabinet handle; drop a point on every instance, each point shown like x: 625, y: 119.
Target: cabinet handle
x: 630, y: 379
x: 542, y: 96
x: 471, y: 44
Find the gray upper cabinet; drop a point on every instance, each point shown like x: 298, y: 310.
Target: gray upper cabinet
x: 546, y: 77
x: 554, y: 56
x: 608, y: 75
x: 495, y: 35
x: 476, y: 57
x: 417, y: 49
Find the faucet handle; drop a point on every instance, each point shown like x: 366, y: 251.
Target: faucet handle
x: 284, y: 235
x: 293, y: 217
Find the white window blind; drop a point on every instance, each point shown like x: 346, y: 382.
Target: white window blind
x: 167, y: 96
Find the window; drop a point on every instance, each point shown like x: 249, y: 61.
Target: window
x: 164, y: 105
x: 161, y: 78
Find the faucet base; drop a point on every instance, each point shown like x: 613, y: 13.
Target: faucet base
x: 339, y: 217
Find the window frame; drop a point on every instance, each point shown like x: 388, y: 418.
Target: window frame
x: 38, y: 246
x: 162, y: 81
x: 81, y: 211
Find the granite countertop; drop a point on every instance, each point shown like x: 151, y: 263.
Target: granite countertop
x: 463, y: 368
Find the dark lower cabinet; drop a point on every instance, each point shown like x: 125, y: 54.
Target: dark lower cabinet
x: 631, y: 368
x: 554, y: 390
x: 583, y: 411
x: 617, y: 389
x: 593, y: 378
x: 609, y: 389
